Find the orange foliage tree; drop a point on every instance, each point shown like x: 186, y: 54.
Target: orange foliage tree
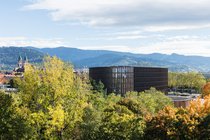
x: 179, y: 123
x: 2, y: 79
x: 206, y: 89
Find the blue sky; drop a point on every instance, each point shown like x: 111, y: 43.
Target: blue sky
x: 138, y: 26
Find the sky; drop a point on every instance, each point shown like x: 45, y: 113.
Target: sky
x: 137, y: 26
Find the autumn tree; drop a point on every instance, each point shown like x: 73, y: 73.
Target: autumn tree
x: 204, y: 128
x: 51, y: 99
x: 206, y: 89
x: 179, y: 123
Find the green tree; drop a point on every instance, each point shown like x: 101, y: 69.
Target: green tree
x: 98, y: 86
x: 92, y: 116
x: 151, y: 100
x: 186, y: 80
x: 120, y: 123
x: 12, y: 125
x: 124, y: 117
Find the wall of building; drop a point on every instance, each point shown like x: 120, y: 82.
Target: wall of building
x: 121, y: 79
x: 184, y: 103
x: 181, y: 101
x: 146, y: 77
x: 103, y: 74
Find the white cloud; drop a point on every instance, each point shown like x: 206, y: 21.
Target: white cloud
x: 118, y: 48
x: 127, y: 12
x: 163, y: 28
x: 187, y: 46
x: 114, y: 38
x: 12, y: 38
x: 24, y: 41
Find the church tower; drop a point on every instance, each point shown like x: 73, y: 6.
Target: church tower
x: 25, y: 60
x: 20, y: 62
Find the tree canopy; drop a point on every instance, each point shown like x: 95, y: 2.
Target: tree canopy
x: 54, y: 103
x: 186, y: 80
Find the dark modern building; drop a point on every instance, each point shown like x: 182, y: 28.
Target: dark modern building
x: 121, y: 79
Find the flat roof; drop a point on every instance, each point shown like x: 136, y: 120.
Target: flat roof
x: 131, y: 67
x: 180, y: 98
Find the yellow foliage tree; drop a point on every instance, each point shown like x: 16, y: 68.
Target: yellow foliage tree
x: 51, y: 98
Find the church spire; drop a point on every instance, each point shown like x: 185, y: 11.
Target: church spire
x: 25, y: 59
x: 20, y: 61
x: 19, y: 58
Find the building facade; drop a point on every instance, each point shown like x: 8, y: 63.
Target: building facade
x: 21, y: 64
x: 181, y: 101
x: 121, y: 79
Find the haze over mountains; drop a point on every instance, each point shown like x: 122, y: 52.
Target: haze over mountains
x: 92, y: 58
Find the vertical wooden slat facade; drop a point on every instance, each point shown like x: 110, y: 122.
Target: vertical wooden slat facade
x: 121, y: 79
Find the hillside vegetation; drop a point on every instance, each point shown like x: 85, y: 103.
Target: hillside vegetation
x: 9, y: 56
x: 93, y: 58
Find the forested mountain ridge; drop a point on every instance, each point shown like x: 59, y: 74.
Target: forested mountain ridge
x: 9, y: 56
x: 93, y: 58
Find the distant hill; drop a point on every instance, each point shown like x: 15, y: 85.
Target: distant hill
x: 9, y: 56
x: 93, y: 58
